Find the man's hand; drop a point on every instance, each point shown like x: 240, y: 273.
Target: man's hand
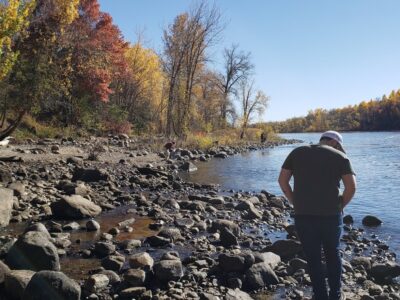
x: 284, y: 178
x: 349, y: 182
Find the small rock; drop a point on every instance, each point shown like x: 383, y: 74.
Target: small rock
x: 96, y: 283
x: 103, y: 249
x: 134, y: 277
x: 6, y: 205
x: 132, y: 293
x: 166, y: 270
x: 92, y: 225
x: 113, y: 262
x: 227, y: 238
x: 71, y: 226
x: 285, y: 248
x: 348, y: 220
x: 130, y: 244
x: 157, y: 241
x: 141, y: 260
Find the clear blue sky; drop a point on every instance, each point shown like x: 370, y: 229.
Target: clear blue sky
x: 308, y: 54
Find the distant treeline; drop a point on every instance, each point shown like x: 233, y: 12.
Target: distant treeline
x: 372, y: 115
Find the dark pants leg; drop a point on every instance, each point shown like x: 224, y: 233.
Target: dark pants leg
x: 330, y: 244
x: 316, y: 233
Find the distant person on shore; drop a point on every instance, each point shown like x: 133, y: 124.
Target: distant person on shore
x: 170, y: 149
x: 317, y: 171
x: 263, y: 137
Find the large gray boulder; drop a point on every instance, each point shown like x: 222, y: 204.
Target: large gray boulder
x: 6, y: 204
x: 16, y: 281
x: 362, y: 262
x: 50, y: 285
x: 75, y: 207
x: 235, y: 262
x: 371, y: 221
x: 166, y: 270
x: 285, y: 248
x: 4, y: 269
x: 33, y: 251
x: 268, y: 257
x: 227, y: 238
x: 382, y: 271
x: 259, y: 276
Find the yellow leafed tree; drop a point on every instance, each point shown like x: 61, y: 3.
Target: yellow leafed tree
x: 14, y: 19
x: 140, y: 91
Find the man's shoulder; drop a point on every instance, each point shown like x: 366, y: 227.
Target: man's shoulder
x: 319, y: 149
x: 302, y: 148
x: 332, y: 151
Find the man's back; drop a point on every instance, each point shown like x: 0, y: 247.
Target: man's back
x: 317, y: 170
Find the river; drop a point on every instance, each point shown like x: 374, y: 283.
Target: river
x: 375, y: 157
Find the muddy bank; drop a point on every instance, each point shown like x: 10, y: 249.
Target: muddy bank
x: 120, y: 223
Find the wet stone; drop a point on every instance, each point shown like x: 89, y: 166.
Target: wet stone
x: 141, y: 260
x: 130, y: 244
x: 184, y: 223
x: 371, y: 221
x: 157, y: 241
x: 132, y: 293
x: 92, y: 225
x: 113, y: 262
x: 134, y: 277
x: 71, y: 226
x: 16, y: 281
x: 103, y: 249
x: 167, y: 270
x: 96, y: 283
x: 56, y: 283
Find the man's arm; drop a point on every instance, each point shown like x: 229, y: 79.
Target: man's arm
x: 284, y: 178
x: 349, y: 182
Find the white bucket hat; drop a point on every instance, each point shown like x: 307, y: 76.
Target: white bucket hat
x: 334, y: 135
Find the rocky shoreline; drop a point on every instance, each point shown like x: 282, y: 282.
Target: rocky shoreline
x: 149, y: 235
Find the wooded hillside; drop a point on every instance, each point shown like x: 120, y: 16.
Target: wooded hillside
x: 65, y: 64
x: 372, y: 115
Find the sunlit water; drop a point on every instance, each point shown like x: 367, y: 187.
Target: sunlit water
x: 376, y: 160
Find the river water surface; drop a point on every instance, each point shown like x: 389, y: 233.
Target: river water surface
x: 375, y: 157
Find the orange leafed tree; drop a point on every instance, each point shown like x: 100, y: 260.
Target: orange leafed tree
x: 98, y: 51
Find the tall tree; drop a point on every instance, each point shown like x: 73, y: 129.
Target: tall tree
x: 237, y: 67
x: 98, y: 50
x: 252, y: 102
x: 39, y: 71
x: 139, y: 91
x: 185, y: 44
x: 14, y: 19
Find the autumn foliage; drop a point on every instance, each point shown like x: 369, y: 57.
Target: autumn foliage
x: 67, y: 65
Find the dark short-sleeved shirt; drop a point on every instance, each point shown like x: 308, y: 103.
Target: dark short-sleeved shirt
x: 317, y: 171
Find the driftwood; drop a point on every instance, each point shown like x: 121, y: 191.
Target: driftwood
x: 11, y: 159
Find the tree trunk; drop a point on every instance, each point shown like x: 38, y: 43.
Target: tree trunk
x: 10, y: 129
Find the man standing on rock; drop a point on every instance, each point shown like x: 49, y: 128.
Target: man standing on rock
x: 317, y: 171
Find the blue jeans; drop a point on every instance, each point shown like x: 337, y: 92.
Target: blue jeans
x: 316, y: 233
